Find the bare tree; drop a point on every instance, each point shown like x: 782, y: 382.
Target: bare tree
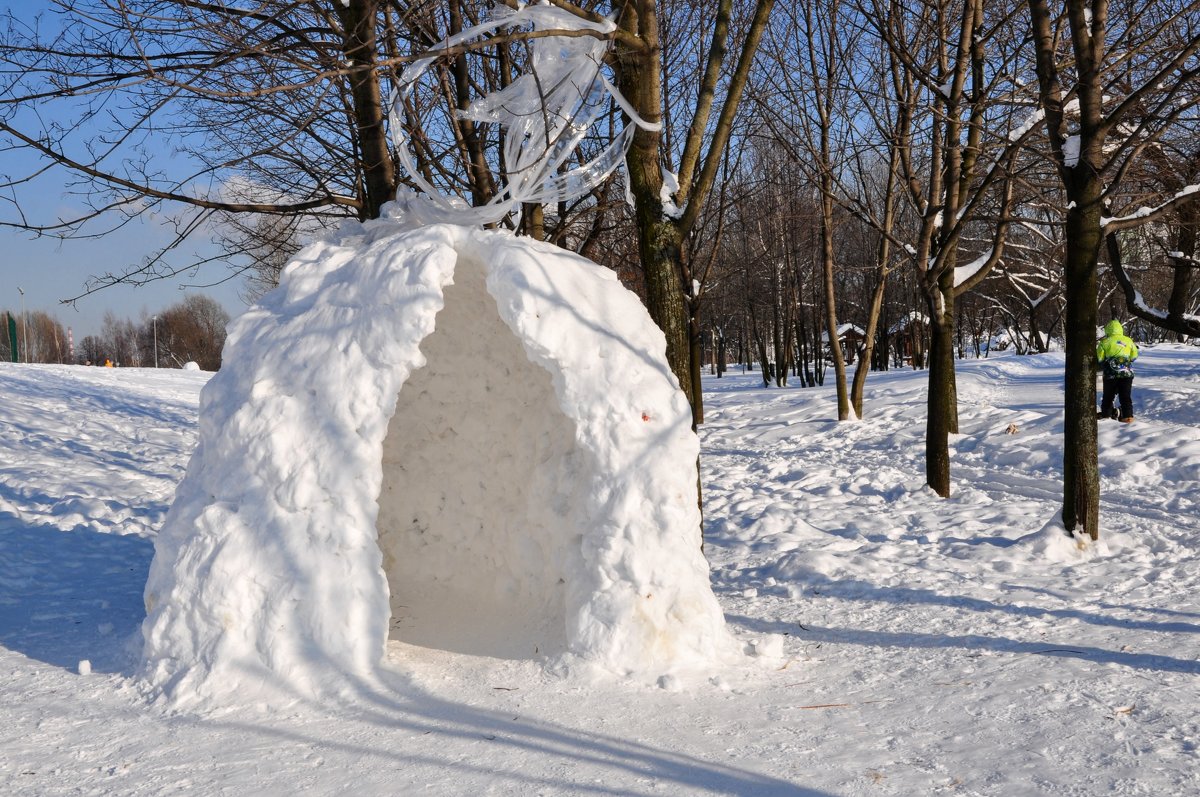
x: 270, y: 242
x: 1171, y: 174
x: 821, y: 24
x: 955, y: 165
x: 192, y: 331
x: 1108, y: 88
x: 814, y: 102
x: 1028, y: 290
x: 205, y: 113
x: 40, y: 338
x: 666, y: 218
x: 119, y: 339
x: 91, y: 350
x: 187, y: 110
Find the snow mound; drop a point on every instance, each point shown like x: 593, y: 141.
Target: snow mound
x: 459, y: 438
x: 1053, y: 543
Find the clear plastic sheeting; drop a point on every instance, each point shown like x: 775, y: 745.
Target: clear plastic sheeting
x: 546, y: 112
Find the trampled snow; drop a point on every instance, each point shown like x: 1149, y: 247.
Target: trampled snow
x: 929, y: 646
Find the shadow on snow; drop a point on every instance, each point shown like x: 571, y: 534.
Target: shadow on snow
x: 66, y: 596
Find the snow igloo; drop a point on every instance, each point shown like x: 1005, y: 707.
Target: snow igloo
x: 442, y: 435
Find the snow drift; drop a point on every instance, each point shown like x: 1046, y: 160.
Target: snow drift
x: 455, y: 437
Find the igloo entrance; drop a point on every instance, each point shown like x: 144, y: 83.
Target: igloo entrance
x: 476, y: 512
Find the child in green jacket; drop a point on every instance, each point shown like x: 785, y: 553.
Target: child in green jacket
x: 1116, y: 353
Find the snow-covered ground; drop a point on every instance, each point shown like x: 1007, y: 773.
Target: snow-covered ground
x: 958, y: 646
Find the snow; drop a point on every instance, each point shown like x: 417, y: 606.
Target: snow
x: 964, y: 273
x: 928, y: 646
x: 666, y: 195
x: 1032, y: 120
x: 1144, y: 212
x: 449, y: 391
x: 1139, y: 302
x: 913, y: 317
x: 1070, y: 150
x: 842, y: 329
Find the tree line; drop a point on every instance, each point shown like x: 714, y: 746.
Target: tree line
x: 192, y: 330
x: 822, y: 187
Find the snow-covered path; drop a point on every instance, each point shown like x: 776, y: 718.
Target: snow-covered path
x: 932, y: 646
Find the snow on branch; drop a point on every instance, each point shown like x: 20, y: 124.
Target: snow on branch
x: 1182, y: 323
x: 1035, y: 118
x: 1180, y: 259
x: 964, y: 273
x: 1139, y: 303
x: 1036, y: 228
x: 1145, y: 214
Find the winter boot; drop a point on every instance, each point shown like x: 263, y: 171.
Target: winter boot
x: 1127, y: 420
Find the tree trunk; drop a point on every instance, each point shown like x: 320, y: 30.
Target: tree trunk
x: 1185, y: 244
x: 659, y: 246
x: 695, y: 360
x: 760, y: 343
x: 868, y: 352
x: 660, y: 241
x: 475, y: 155
x: 831, y: 324
x: 942, y: 420
x: 533, y: 221
x: 359, y: 46
x: 1035, y: 334
x: 1081, y: 470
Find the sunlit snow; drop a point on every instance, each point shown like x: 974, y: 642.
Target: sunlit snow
x: 929, y: 646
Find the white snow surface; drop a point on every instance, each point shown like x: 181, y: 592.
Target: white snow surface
x: 928, y: 646
x: 523, y: 502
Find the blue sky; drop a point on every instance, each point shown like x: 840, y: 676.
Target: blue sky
x: 49, y: 271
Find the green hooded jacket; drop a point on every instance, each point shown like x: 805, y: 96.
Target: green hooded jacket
x: 1116, y: 350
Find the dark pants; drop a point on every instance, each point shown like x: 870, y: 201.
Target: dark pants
x: 1117, y: 387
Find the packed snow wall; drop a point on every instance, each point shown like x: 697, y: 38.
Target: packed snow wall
x: 454, y: 437
x: 481, y: 506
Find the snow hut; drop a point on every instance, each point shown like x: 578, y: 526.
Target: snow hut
x: 452, y: 437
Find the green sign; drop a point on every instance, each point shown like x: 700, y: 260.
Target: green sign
x: 12, y: 336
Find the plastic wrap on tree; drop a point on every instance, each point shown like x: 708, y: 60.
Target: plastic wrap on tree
x: 547, y: 112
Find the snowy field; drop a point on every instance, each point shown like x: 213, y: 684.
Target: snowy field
x: 932, y: 646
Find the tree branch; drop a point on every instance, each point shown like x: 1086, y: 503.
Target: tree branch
x: 733, y: 96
